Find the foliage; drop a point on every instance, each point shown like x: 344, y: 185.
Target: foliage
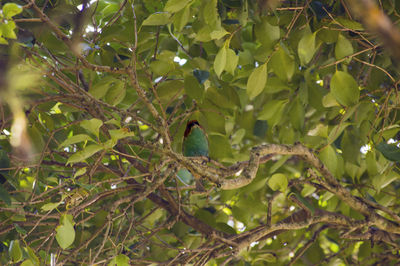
x: 300, y: 104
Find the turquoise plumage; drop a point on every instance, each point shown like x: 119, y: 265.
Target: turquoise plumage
x: 195, y: 143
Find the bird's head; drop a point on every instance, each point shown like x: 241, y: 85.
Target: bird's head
x: 190, y: 124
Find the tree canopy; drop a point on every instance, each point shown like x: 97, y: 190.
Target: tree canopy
x: 299, y: 100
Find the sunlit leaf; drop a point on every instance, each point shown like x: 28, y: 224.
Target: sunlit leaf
x: 175, y: 5
x: 306, y: 48
x: 231, y: 61
x: 193, y: 88
x: 92, y: 125
x: 278, y: 182
x: 257, y: 81
x: 76, y: 139
x: 329, y: 158
x: 282, y: 64
x: 271, y: 109
x: 266, y: 33
x: 181, y: 18
x: 343, y: 47
x: 157, y: 19
x: 50, y: 206
x: 11, y: 9
x: 344, y: 88
x: 220, y: 60
x: 15, y: 251
x: 83, y: 154
x: 32, y: 255
x: 65, y: 235
x: 115, y: 93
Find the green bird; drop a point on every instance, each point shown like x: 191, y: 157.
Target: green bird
x: 195, y: 143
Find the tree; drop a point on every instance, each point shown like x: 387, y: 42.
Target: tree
x: 299, y: 100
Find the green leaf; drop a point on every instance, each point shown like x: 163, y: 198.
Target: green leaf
x: 231, y: 61
x: 216, y: 122
x: 220, y: 60
x: 162, y: 67
x: 28, y: 263
x: 371, y: 163
x: 307, y: 190
x: 267, y: 34
x: 205, y: 216
x: 210, y: 14
x: 350, y: 146
x: 218, y: 34
x: 381, y: 181
x: 193, y: 88
x: 93, y: 125
x: 329, y: 100
x: 257, y: 81
x: 267, y: 257
x: 349, y: 24
x: 343, y: 47
x: 2, y: 40
x: 275, y: 84
x: 282, y: 64
x: 278, y: 182
x: 173, y: 6
x: 65, y: 231
x: 271, y: 109
x: 225, y: 228
x: 389, y: 151
x: 4, y: 196
x: 120, y: 260
x: 116, y: 93
x: 15, y: 251
x: 88, y: 151
x: 238, y: 136
x: 181, y: 18
x: 306, y: 48
x: 117, y: 134
x: 157, y: 19
x: 18, y: 217
x: 19, y: 229
x: 304, y: 201
x: 344, y: 88
x: 100, y: 89
x: 217, y: 97
x: 7, y: 30
x: 80, y: 172
x: 185, y: 176
x: 11, y: 9
x: 203, y: 35
x: 75, y: 139
x: 297, y: 115
x: 336, y: 131
x: 50, y: 206
x: 329, y: 158
x: 241, y: 214
x: 220, y: 147
x: 32, y: 256
x: 169, y: 89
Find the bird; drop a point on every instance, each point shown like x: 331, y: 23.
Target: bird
x: 195, y: 144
